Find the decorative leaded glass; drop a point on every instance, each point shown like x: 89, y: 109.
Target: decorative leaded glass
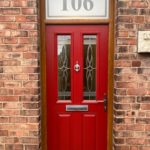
x: 89, y: 85
x: 63, y: 52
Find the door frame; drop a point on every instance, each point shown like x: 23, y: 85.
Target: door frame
x: 111, y: 23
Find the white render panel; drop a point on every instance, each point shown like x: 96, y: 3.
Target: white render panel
x: 144, y: 42
x: 77, y: 9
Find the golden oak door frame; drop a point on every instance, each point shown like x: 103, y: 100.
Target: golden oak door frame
x: 43, y: 23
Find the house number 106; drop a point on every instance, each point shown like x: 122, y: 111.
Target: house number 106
x: 77, y: 4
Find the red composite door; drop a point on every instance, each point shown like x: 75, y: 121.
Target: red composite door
x: 76, y: 75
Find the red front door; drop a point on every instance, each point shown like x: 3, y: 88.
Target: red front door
x: 76, y: 57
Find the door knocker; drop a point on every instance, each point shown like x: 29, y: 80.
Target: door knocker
x: 77, y: 67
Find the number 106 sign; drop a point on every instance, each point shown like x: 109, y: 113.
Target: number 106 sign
x: 77, y: 9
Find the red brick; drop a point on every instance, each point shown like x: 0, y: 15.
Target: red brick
x: 134, y: 148
x: 30, y: 84
x: 145, y: 148
x: 10, y: 40
x: 144, y: 85
x: 1, y: 147
x: 9, y: 112
x: 136, y: 91
x: 30, y: 55
x: 28, y: 26
x: 18, y: 119
x: 135, y: 127
x: 21, y: 3
x: 4, y: 33
x: 19, y: 33
x: 136, y: 63
x: 14, y: 147
x: 1, y: 84
x: 125, y: 19
x: 143, y: 120
x: 135, y: 141
x: 11, y: 63
x: 122, y: 63
x: 126, y: 85
x: 13, y: 140
x: 33, y: 119
x: 145, y: 106
x: 9, y: 98
x: 30, y: 140
x: 29, y: 112
x: 21, y: 77
x: 26, y: 18
x: 8, y: 26
x: 29, y: 11
x: 30, y: 69
x: 12, y: 105
x: 139, y: 19
x: 10, y: 11
x: 33, y: 76
x: 28, y: 98
x: 147, y: 127
x: 147, y: 19
x: 6, y: 91
x: 123, y: 4
x: 4, y: 3
x: 144, y: 71
x: 7, y: 18
x: 3, y: 133
x: 30, y: 105
x: 138, y: 4
x: 33, y: 34
x: 31, y: 147
x: 126, y: 41
x: 4, y: 119
x: 126, y: 77
x: 24, y: 91
x: 30, y: 62
x: 20, y: 48
x: 13, y: 69
x: 32, y: 4
x: 27, y: 40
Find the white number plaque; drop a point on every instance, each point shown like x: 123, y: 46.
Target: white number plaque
x: 144, y: 41
x: 77, y: 9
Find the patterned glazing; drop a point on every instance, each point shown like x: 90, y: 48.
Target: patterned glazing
x: 89, y: 67
x: 63, y: 52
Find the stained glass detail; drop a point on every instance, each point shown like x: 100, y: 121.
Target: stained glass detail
x: 63, y: 52
x: 89, y: 85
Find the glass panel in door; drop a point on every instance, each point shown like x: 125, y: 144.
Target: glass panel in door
x: 63, y: 54
x: 89, y: 64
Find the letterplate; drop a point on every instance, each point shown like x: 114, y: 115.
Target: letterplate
x: 77, y: 9
x: 76, y: 107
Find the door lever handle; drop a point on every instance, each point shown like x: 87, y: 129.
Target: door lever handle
x: 103, y: 101
x: 100, y: 101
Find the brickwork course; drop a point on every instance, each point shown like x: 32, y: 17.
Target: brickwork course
x: 132, y: 78
x: 20, y: 76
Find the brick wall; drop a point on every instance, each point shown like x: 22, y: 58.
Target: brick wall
x: 132, y: 78
x: 19, y: 75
